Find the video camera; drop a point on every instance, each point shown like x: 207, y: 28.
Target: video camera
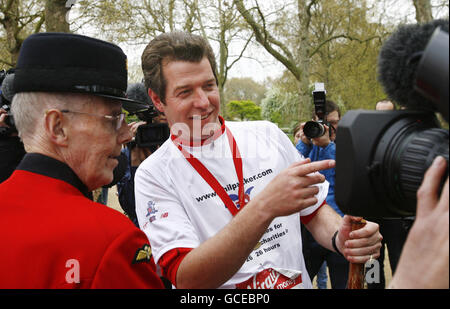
x: 313, y: 129
x: 382, y: 156
x: 150, y: 135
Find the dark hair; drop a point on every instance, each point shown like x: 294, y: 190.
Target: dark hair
x: 329, y: 108
x: 173, y: 46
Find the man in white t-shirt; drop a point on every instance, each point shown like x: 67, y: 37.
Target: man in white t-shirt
x: 221, y: 203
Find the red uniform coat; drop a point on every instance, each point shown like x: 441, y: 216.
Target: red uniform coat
x: 53, y: 236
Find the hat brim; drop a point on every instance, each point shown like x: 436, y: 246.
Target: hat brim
x: 129, y: 105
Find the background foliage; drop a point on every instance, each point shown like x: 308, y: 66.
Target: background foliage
x: 331, y: 41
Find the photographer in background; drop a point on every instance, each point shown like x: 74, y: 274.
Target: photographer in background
x: 135, y: 152
x: 11, y: 148
x: 317, y: 149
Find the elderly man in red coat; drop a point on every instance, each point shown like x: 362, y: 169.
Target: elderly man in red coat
x: 69, y: 90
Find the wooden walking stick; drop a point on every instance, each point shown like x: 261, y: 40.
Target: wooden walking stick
x: 356, y: 270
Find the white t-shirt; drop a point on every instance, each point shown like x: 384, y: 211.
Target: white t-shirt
x: 177, y: 208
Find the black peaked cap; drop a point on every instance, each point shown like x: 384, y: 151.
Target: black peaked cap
x: 64, y: 62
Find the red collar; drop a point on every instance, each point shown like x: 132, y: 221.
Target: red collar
x: 203, y: 142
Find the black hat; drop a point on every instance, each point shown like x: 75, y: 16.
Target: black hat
x: 138, y: 92
x: 64, y: 62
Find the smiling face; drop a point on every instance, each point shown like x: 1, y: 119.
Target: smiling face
x: 94, y: 143
x: 192, y: 102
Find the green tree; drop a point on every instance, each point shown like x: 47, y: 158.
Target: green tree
x: 243, y: 110
x: 281, y: 107
x: 238, y: 89
x: 18, y: 19
x: 136, y: 22
x: 21, y: 18
x: 423, y: 11
x: 296, y: 33
x: 347, y: 66
x: 55, y: 15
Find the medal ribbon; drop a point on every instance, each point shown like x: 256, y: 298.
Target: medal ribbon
x: 212, y: 181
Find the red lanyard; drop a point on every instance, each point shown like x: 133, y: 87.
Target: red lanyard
x: 212, y: 181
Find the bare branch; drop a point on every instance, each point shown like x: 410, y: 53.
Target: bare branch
x: 345, y: 36
x: 266, y: 40
x: 242, y: 52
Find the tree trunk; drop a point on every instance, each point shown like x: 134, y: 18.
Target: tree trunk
x: 56, y: 12
x: 423, y: 11
x: 223, y: 56
x: 11, y: 25
x: 304, y: 60
x: 298, y: 65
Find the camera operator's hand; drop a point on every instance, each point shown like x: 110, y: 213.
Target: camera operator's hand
x: 133, y: 126
x: 303, y: 137
x: 425, y: 257
x: 3, y: 115
x: 323, y: 140
x: 360, y: 245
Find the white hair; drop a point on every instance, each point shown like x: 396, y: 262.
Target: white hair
x: 29, y: 108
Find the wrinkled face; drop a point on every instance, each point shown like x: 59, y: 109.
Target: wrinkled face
x: 95, y: 143
x: 192, y: 101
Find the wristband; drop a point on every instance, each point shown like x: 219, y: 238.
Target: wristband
x: 333, y: 242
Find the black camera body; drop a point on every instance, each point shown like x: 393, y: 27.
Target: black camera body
x: 382, y: 156
x: 313, y: 129
x: 151, y: 134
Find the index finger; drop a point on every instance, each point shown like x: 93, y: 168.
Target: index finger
x: 138, y: 124
x: 427, y: 194
x: 308, y: 168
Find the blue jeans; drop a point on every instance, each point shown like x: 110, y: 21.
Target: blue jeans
x: 322, y: 277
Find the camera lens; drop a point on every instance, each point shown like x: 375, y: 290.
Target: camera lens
x: 313, y: 129
x: 405, y: 151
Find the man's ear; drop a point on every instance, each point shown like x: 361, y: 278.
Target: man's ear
x: 55, y: 127
x: 156, y: 101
